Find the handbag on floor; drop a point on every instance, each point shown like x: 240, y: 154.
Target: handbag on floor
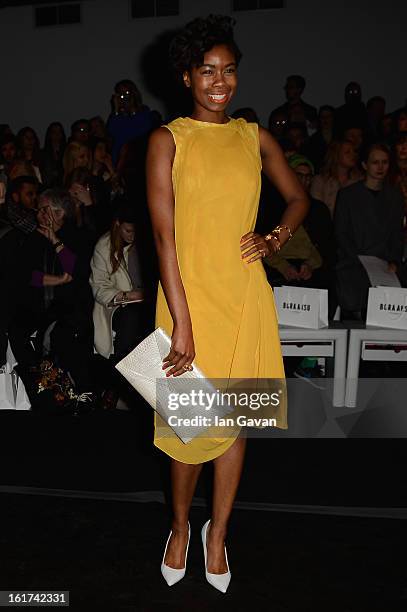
x: 6, y: 390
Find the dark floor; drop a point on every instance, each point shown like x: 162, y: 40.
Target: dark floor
x: 108, y: 555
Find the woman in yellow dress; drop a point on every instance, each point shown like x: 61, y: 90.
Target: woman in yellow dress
x: 203, y: 180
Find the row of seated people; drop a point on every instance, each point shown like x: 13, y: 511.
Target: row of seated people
x: 357, y: 208
x: 59, y: 270
x: 368, y: 219
x: 84, y: 291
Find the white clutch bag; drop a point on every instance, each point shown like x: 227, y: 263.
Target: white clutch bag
x: 143, y: 370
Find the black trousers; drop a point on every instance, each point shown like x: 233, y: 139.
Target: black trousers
x: 131, y: 323
x: 71, y: 343
x: 131, y: 326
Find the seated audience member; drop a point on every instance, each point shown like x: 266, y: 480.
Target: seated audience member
x: 398, y: 177
x: 401, y: 121
x: 76, y: 155
x: 21, y: 203
x: 28, y: 149
x: 356, y: 136
x: 17, y: 221
x: 353, y: 112
x: 386, y: 129
x: 52, y: 288
x: 368, y: 221
x: 317, y: 146
x: 5, y: 130
x: 8, y: 151
x: 52, y: 170
x: 97, y: 128
x: 288, y: 148
x: 296, y: 134
x: 92, y: 200
x: 80, y: 132
x: 22, y: 168
x: 376, y: 111
x: 116, y: 276
x: 102, y: 166
x: 319, y: 227
x: 278, y: 122
x: 340, y: 170
x: 295, y: 109
x: 296, y: 262
x: 399, y: 170
x: 129, y: 118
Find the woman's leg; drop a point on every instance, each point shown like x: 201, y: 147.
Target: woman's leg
x: 228, y: 469
x: 184, y: 477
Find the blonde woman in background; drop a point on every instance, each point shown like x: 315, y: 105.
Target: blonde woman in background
x: 340, y: 170
x: 76, y: 156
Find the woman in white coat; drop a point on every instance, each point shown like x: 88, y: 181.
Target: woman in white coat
x: 118, y: 288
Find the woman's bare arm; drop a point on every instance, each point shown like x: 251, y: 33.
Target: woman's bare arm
x: 160, y: 195
x: 276, y: 168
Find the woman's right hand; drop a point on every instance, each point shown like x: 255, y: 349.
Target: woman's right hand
x: 182, y: 351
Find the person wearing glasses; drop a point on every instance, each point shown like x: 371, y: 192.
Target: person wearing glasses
x: 53, y: 286
x: 319, y: 226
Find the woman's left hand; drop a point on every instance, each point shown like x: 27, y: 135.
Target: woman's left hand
x: 81, y: 193
x: 255, y: 247
x: 47, y: 229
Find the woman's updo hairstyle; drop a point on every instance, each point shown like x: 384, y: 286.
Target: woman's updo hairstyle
x: 188, y: 47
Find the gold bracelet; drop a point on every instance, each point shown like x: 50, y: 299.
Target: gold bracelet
x: 275, y: 238
x: 280, y: 228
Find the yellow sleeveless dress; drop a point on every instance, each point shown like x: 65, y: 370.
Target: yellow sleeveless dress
x: 216, y: 180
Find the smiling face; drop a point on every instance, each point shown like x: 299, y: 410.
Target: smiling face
x: 213, y: 84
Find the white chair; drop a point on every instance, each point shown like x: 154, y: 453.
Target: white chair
x: 326, y: 342
x: 371, y: 344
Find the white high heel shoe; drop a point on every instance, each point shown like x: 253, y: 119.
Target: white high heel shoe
x: 219, y: 581
x: 171, y: 574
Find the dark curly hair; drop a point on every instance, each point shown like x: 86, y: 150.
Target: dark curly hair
x: 189, y: 45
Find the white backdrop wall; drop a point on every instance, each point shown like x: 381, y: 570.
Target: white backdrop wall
x: 68, y: 72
